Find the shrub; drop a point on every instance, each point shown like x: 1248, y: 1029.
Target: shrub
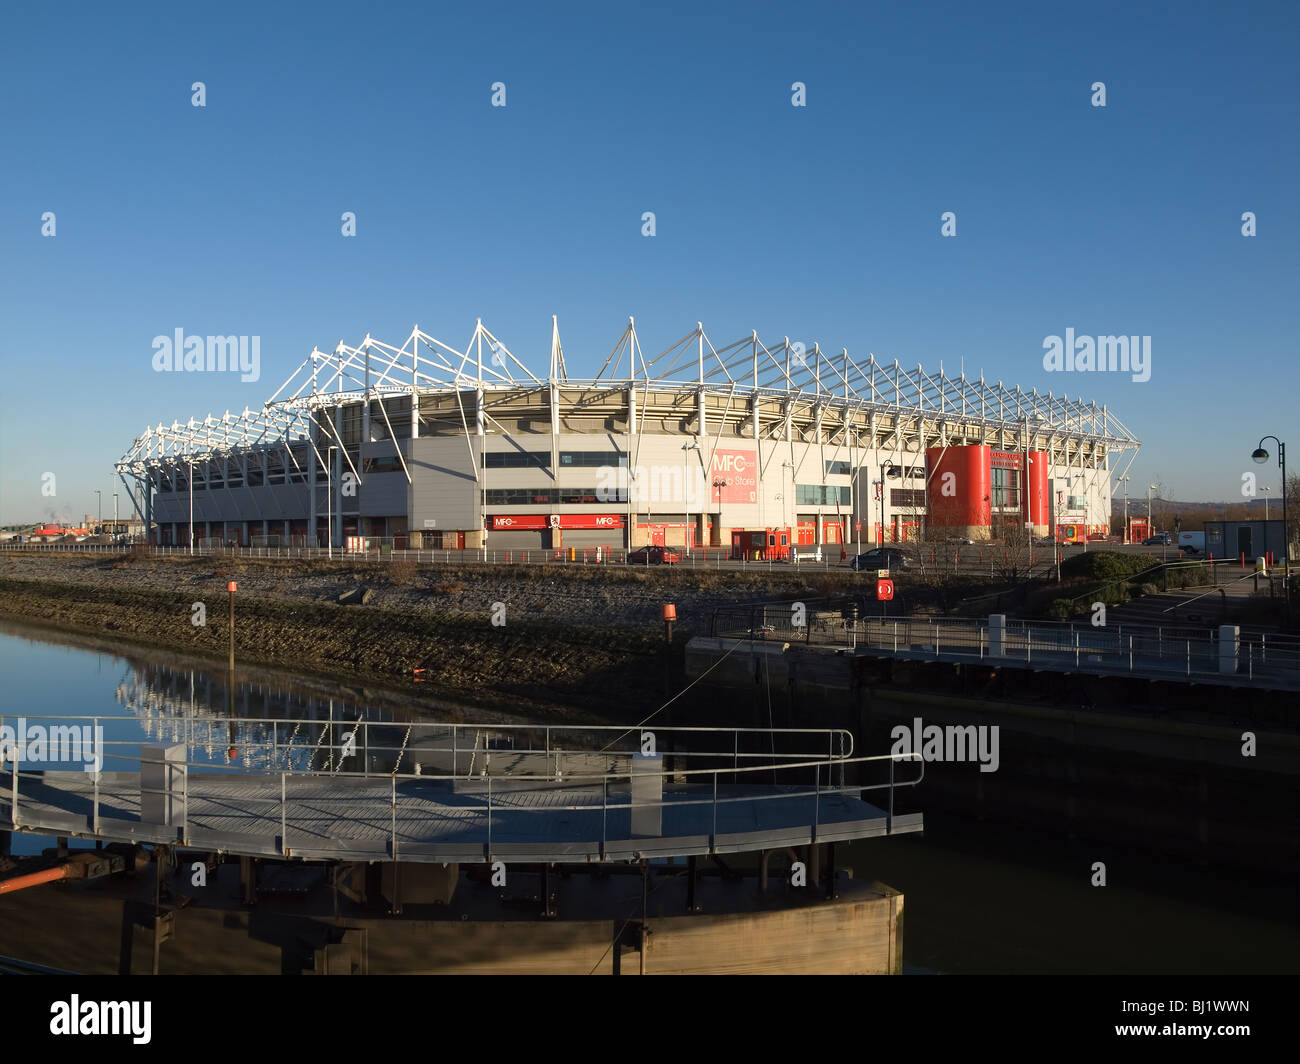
x: 1105, y: 565
x: 402, y: 573
x: 1061, y: 609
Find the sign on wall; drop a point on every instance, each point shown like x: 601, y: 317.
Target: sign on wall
x: 734, y: 476
x: 534, y: 522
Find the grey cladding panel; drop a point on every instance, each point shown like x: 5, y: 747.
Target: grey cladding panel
x: 443, y: 487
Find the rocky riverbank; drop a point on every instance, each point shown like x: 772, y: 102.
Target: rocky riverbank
x: 580, y: 638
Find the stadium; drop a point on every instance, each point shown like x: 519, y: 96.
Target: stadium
x: 745, y: 448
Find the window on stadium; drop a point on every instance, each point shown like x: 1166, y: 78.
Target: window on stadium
x: 389, y: 464
x: 516, y: 459
x: 595, y: 459
x: 1006, y: 487
x: 822, y: 494
x: 552, y: 496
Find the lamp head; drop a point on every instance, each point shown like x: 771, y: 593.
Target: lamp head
x: 1260, y: 455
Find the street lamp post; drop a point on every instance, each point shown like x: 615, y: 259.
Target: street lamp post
x: 717, y: 518
x: 101, y: 509
x: 886, y: 471
x: 1124, y: 481
x: 881, y: 486
x: 1261, y: 456
x: 189, y: 460
x: 1266, y: 491
x: 1151, y: 531
x: 329, y: 501
x: 785, y: 520
x: 686, y: 491
x: 114, y: 514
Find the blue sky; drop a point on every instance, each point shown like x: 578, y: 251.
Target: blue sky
x: 821, y: 223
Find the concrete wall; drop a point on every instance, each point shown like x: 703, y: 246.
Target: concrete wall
x: 104, y: 928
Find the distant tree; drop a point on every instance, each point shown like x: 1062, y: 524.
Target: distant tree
x: 1293, y: 511
x: 1014, y: 553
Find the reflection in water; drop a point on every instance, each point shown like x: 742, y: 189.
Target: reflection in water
x: 178, y: 705
x: 1160, y: 914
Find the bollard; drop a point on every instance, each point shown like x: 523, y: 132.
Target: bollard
x: 669, y: 615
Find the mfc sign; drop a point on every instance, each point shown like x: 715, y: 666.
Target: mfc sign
x: 734, y: 476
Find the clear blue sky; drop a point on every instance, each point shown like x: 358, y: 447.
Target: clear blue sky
x: 820, y: 223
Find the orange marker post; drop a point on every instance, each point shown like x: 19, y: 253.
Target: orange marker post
x: 231, y: 587
x: 669, y: 615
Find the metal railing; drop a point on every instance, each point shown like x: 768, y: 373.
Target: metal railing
x: 492, y: 798
x: 1189, y: 652
x: 379, y: 747
x: 694, y: 558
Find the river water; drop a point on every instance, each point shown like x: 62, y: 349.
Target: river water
x: 979, y: 897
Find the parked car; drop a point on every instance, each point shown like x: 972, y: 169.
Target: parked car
x: 1161, y: 539
x: 653, y: 556
x: 881, y: 558
x: 1098, y: 537
x: 963, y: 540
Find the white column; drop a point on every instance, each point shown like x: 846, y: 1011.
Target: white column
x: 997, y: 635
x: 1229, y: 646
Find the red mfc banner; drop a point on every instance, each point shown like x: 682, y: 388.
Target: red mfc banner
x: 734, y: 476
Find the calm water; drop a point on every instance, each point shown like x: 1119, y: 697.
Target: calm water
x: 978, y: 897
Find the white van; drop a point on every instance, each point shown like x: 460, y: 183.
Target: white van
x: 1191, y: 542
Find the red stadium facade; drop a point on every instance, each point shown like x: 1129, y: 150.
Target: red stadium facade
x: 977, y: 491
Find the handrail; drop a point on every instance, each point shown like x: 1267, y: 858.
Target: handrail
x: 1150, y: 650
x: 676, y: 799
x: 356, y: 737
